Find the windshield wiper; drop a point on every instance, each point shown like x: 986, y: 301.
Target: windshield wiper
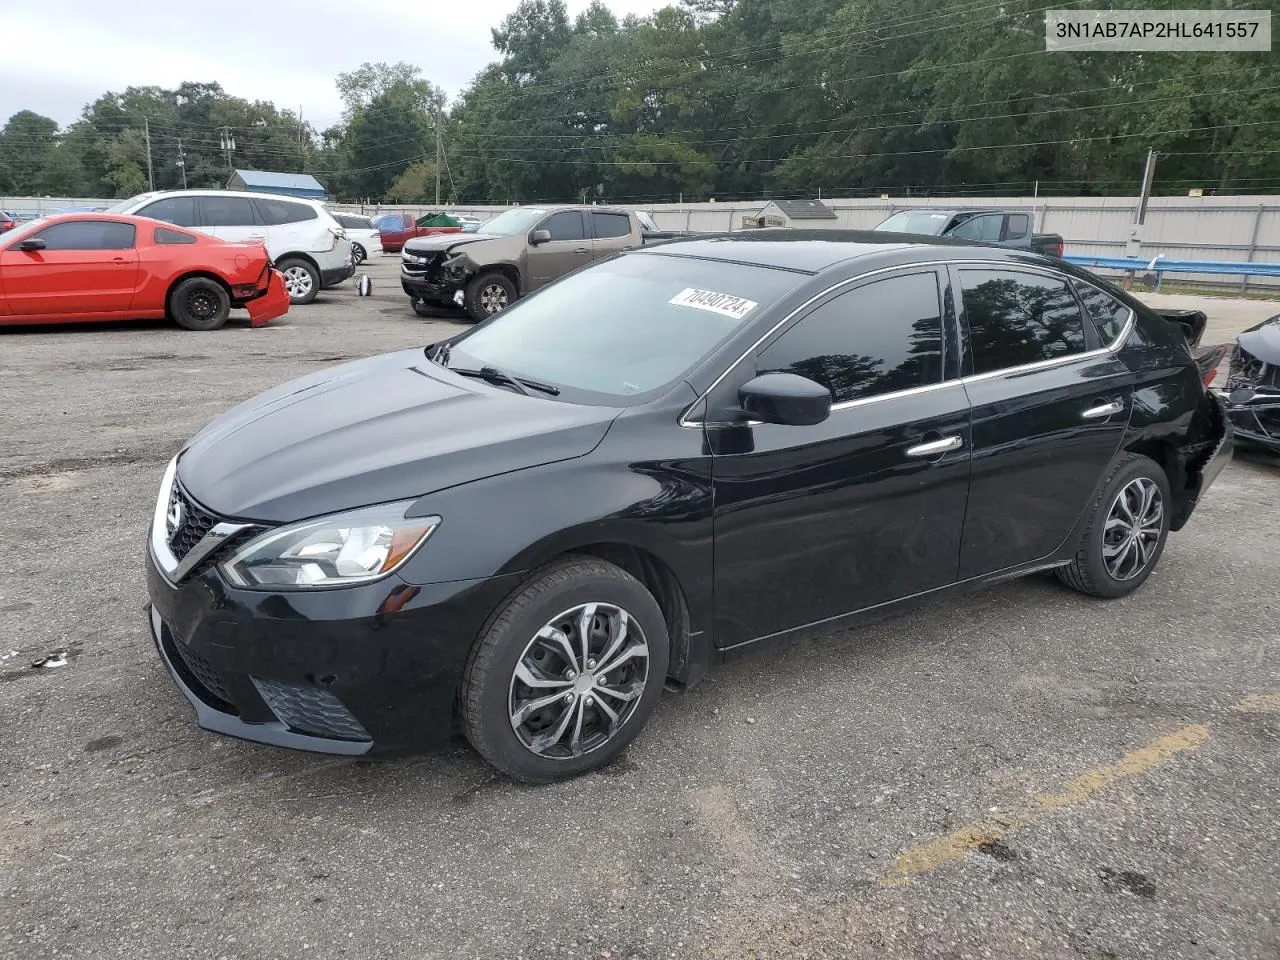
x: 493, y: 374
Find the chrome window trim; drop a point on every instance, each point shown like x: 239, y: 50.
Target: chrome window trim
x: 1019, y: 370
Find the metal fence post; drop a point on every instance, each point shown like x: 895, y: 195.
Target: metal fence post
x: 1253, y: 245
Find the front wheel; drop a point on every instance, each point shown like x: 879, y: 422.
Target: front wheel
x: 301, y: 279
x: 566, y: 673
x: 199, y: 303
x: 488, y: 294
x: 1126, y: 536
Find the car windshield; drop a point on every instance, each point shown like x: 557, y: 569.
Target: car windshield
x: 514, y: 222
x: 625, y: 328
x: 929, y: 224
x: 123, y: 206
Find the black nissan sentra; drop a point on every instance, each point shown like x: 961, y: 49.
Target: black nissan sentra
x: 526, y: 531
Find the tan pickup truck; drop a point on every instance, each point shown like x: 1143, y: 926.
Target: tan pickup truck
x: 514, y: 254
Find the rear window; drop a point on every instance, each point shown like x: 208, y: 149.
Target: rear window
x: 625, y: 328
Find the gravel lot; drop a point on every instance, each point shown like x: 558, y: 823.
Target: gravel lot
x: 1023, y: 773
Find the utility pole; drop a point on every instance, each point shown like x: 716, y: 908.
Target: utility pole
x: 1134, y: 243
x: 439, y: 111
x: 182, y: 163
x: 228, y: 144
x: 146, y: 129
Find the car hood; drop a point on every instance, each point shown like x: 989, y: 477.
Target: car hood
x: 1262, y: 340
x: 451, y: 241
x: 390, y: 427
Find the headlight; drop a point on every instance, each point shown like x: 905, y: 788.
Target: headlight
x: 337, y: 551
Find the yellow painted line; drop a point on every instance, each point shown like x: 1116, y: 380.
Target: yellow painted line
x: 937, y: 853
x: 1259, y: 703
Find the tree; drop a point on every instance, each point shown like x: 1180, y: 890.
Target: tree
x: 418, y: 182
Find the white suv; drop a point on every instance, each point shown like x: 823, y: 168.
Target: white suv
x: 302, y: 238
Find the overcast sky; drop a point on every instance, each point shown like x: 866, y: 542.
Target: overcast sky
x: 58, y: 55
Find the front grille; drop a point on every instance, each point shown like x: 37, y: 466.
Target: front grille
x: 1246, y: 370
x: 309, y: 710
x: 195, y: 523
x: 432, y: 262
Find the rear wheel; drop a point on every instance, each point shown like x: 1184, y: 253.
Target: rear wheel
x: 301, y: 279
x: 1126, y: 536
x: 566, y: 673
x: 488, y: 294
x: 358, y: 256
x: 199, y: 303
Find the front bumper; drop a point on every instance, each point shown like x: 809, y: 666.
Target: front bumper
x: 1256, y: 421
x: 419, y: 287
x: 365, y: 669
x: 334, y: 276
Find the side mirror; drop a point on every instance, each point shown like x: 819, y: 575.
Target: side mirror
x: 785, y: 398
x: 33, y: 243
x: 539, y: 236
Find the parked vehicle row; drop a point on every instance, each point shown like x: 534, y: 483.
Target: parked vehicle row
x: 396, y: 229
x: 308, y: 246
x: 84, y: 267
x: 531, y: 527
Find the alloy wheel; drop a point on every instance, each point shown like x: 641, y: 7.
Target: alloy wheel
x: 578, y: 681
x: 297, y: 280
x: 493, y: 298
x: 1133, y: 529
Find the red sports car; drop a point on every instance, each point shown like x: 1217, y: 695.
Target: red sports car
x: 97, y: 266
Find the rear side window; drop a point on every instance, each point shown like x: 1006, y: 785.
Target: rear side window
x: 985, y: 228
x: 880, y: 338
x: 276, y: 212
x: 228, y: 212
x: 166, y: 235
x: 176, y: 210
x: 565, y: 225
x: 1017, y: 225
x: 1016, y: 318
x: 1109, y: 314
x: 609, y: 225
x: 88, y: 235
x: 353, y: 222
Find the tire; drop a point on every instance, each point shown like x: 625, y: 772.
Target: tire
x: 1132, y: 558
x: 493, y: 695
x: 358, y: 256
x: 488, y: 294
x: 301, y: 279
x: 199, y: 303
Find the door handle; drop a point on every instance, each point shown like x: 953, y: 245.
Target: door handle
x: 580, y: 250
x: 935, y: 447
x: 1103, y: 410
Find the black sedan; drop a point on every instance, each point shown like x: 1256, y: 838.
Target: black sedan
x: 1253, y: 386
x: 528, y: 530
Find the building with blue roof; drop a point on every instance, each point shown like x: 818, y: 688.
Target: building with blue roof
x: 287, y: 184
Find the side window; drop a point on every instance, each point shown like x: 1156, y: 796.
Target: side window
x: 276, y: 212
x: 985, y: 228
x: 565, y: 225
x: 88, y: 235
x: 352, y: 222
x: 165, y: 235
x: 1016, y: 225
x: 1109, y: 314
x: 880, y: 338
x: 177, y: 210
x: 607, y: 225
x: 228, y: 212
x: 1016, y: 318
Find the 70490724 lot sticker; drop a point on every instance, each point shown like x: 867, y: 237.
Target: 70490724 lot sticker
x: 724, y: 304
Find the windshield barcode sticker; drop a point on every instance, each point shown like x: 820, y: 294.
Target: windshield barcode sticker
x: 722, y: 303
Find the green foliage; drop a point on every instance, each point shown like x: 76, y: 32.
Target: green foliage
x: 731, y: 98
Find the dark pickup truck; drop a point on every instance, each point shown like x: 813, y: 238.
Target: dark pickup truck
x: 1002, y: 228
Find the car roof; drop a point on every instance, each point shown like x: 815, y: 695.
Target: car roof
x: 813, y: 251
x: 236, y: 193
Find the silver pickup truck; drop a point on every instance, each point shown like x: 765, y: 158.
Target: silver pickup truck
x: 514, y: 254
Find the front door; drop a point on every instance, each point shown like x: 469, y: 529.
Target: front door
x: 87, y: 267
x: 568, y: 249
x: 1050, y: 409
x: 866, y: 507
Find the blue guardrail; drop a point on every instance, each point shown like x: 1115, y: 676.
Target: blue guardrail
x: 1161, y: 265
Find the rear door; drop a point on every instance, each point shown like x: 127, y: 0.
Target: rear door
x: 1051, y: 403
x: 86, y: 267
x: 568, y: 248
x: 812, y: 522
x: 611, y: 232
x: 288, y: 226
x: 1017, y: 229
x: 231, y: 218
